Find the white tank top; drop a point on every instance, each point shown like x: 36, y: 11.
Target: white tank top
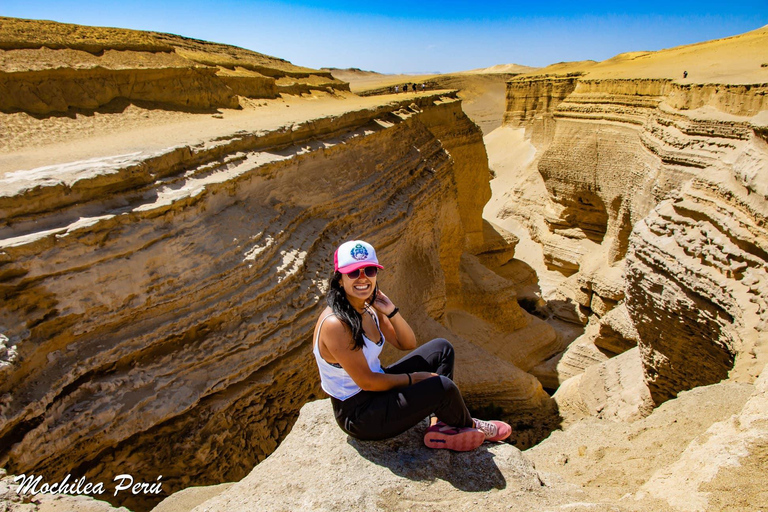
x: 333, y: 378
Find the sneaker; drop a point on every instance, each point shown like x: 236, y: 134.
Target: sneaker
x: 493, y: 430
x: 453, y: 438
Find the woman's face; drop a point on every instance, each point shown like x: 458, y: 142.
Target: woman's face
x: 360, y: 288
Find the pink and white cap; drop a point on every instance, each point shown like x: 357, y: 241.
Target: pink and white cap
x: 354, y: 255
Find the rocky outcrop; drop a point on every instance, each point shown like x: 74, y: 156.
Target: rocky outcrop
x: 652, y: 199
x: 717, y: 470
x: 318, y: 467
x: 594, y: 465
x: 613, y: 390
x: 621, y: 461
x: 48, y: 67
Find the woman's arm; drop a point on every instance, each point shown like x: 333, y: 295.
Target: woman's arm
x: 338, y: 340
x: 396, y: 330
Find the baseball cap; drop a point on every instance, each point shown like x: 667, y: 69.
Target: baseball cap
x: 354, y: 255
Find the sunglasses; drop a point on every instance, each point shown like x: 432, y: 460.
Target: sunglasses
x: 370, y: 272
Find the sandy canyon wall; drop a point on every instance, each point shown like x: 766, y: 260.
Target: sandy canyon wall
x: 48, y: 67
x: 158, y: 307
x: 650, y: 198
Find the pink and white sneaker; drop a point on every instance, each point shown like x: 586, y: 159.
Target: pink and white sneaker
x: 493, y: 430
x: 444, y: 436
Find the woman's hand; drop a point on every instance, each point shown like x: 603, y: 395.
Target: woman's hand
x: 420, y: 376
x: 382, y: 303
x: 396, y: 330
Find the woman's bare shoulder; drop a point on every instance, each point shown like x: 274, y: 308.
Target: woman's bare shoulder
x: 335, y: 332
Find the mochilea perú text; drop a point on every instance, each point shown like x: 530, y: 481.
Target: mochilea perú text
x: 30, y: 484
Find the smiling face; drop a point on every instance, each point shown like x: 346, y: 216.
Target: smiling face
x: 358, y: 290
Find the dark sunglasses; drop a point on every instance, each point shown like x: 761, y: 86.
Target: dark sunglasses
x: 369, y: 272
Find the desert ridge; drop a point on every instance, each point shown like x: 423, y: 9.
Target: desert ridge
x: 42, y: 59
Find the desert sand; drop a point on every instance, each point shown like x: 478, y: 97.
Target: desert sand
x: 34, y: 142
x: 733, y: 60
x: 482, y: 91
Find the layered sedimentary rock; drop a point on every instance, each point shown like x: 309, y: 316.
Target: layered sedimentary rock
x: 158, y: 306
x: 699, y: 263
x: 613, y: 390
x: 531, y: 98
x: 644, y: 193
x: 650, y: 194
x: 48, y: 67
x: 621, y: 462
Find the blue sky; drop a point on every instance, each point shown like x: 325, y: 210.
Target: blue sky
x: 409, y: 36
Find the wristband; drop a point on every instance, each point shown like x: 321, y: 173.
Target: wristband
x: 409, y: 378
x: 394, y: 312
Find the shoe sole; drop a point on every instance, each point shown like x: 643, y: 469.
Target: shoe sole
x: 461, y: 442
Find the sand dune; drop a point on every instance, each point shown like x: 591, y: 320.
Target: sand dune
x: 499, y: 68
x: 741, y: 59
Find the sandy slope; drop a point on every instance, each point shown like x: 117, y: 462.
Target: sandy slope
x: 741, y: 59
x: 482, y: 91
x: 28, y: 142
x: 499, y: 68
x: 17, y: 34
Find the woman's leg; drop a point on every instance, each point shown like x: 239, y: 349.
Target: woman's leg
x: 381, y: 415
x: 434, y: 356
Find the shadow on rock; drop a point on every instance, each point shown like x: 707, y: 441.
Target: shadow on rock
x: 406, y: 456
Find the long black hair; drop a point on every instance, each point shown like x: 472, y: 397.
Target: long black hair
x: 337, y: 300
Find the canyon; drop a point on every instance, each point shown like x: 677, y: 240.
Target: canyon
x: 169, y: 212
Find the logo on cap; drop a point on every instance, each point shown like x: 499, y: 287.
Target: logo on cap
x: 359, y: 252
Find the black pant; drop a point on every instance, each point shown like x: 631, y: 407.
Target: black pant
x: 372, y: 415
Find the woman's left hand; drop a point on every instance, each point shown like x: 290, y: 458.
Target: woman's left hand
x: 382, y: 303
x: 401, y: 336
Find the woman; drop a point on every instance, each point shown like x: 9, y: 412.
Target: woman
x: 371, y: 402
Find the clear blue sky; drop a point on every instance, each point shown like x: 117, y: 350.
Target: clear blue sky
x: 419, y: 35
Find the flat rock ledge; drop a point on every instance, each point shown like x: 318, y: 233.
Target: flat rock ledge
x: 319, y: 468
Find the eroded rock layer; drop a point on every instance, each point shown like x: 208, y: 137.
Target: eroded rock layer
x: 649, y: 194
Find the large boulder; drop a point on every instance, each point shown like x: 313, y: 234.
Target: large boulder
x: 318, y: 467
x: 614, y: 389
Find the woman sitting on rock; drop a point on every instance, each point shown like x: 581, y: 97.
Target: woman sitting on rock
x: 371, y: 402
